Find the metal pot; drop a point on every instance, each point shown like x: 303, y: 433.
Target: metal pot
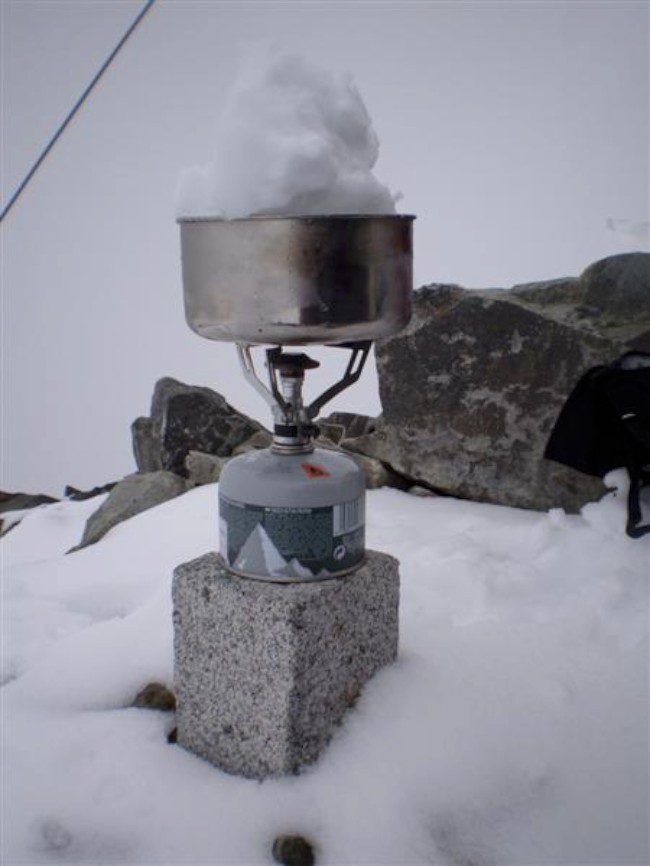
x: 297, y: 280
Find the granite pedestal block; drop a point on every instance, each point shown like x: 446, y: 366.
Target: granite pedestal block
x: 264, y: 672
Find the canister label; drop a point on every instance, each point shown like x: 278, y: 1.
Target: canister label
x: 292, y: 543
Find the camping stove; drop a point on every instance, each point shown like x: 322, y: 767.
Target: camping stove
x: 295, y: 512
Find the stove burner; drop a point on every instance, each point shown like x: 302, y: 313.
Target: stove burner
x: 293, y: 427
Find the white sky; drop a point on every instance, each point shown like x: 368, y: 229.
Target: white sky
x: 514, y: 130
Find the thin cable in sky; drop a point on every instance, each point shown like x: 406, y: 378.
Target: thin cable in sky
x: 147, y: 6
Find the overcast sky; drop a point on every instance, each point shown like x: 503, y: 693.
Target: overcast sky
x: 515, y: 131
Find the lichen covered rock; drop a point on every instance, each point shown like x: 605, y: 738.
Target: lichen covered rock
x: 471, y: 389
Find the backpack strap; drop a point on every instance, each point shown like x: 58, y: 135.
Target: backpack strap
x: 631, y: 398
x: 635, y: 527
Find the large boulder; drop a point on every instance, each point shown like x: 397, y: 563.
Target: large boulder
x: 187, y: 418
x: 471, y: 389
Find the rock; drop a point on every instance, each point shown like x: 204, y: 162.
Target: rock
x: 187, y: 418
x: 346, y: 425
x: 204, y: 468
x: 377, y: 474
x: 472, y: 387
x: 155, y: 696
x: 610, y: 298
x: 423, y: 492
x: 340, y: 431
x: 293, y: 851
x: 264, y: 672
x: 23, y: 501
x: 80, y: 495
x: 207, y: 468
x: 131, y: 496
x: 146, y: 445
x: 332, y: 433
x: 16, y: 505
x: 261, y: 439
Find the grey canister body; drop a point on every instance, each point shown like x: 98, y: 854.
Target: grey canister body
x: 292, y: 517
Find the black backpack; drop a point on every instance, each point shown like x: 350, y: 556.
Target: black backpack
x: 605, y: 424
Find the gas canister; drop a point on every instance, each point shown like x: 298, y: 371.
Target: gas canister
x: 291, y: 517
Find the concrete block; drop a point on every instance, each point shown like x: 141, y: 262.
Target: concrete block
x: 265, y: 672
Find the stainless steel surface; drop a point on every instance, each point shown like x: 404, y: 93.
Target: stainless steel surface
x: 297, y: 280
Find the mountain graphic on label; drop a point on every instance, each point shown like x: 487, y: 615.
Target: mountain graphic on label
x: 260, y: 556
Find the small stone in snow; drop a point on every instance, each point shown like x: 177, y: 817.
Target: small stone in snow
x: 293, y: 851
x: 155, y: 696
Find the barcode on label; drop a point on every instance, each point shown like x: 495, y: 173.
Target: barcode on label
x: 349, y: 516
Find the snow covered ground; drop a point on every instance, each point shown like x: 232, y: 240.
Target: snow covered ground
x: 513, y: 729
